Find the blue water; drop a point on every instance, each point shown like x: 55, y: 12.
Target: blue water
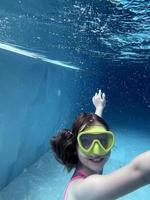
x: 54, y: 56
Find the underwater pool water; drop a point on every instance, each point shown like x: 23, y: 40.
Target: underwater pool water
x: 54, y: 56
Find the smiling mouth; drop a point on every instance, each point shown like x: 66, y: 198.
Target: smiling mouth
x: 96, y: 160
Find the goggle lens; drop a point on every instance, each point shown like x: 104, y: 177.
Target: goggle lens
x: 87, y: 139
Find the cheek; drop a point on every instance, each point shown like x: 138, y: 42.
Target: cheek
x: 82, y: 160
x: 82, y: 157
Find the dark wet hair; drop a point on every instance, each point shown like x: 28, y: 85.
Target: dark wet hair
x: 65, y: 142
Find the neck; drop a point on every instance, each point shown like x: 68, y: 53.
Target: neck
x: 87, y: 171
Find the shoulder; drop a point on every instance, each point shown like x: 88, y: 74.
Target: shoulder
x: 85, y: 188
x: 111, y: 186
x: 71, y: 190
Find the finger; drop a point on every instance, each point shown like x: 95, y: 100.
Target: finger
x: 100, y: 94
x: 99, y: 91
x: 103, y: 95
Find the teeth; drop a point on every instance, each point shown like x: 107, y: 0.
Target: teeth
x: 97, y: 159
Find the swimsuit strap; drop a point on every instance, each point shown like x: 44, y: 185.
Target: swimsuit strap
x: 79, y: 173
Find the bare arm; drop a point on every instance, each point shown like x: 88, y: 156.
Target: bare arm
x: 117, y: 184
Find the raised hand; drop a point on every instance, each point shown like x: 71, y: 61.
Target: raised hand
x: 99, y: 102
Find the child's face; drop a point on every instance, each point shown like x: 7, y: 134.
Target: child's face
x: 93, y: 163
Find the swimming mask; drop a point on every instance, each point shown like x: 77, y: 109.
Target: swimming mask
x: 95, y: 140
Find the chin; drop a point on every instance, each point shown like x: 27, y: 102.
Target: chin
x: 96, y: 166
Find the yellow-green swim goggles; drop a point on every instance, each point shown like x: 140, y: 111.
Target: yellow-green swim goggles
x: 95, y: 140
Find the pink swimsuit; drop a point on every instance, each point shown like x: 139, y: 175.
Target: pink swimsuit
x: 78, y: 174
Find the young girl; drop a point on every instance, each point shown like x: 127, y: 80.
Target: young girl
x: 87, y: 147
